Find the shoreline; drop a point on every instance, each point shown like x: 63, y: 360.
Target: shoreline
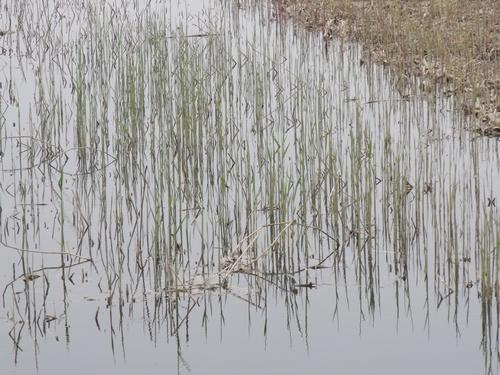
x: 447, y: 43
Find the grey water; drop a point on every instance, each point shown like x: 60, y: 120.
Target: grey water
x: 205, y: 187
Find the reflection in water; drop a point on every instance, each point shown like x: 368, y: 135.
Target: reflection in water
x: 198, y: 178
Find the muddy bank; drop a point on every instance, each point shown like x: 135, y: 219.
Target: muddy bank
x: 449, y: 43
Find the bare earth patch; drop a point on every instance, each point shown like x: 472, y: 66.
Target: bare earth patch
x: 455, y: 43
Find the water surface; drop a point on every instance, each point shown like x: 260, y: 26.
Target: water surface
x: 196, y: 187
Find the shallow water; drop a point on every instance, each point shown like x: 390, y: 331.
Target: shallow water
x: 219, y: 192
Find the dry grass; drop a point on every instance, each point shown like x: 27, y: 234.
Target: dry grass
x: 452, y: 42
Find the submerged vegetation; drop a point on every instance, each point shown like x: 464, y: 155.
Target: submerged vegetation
x: 449, y: 43
x: 162, y: 159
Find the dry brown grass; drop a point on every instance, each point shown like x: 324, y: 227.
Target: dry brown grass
x: 452, y: 42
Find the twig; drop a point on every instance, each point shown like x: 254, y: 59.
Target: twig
x: 44, y: 252
x: 38, y: 270
x: 229, y: 270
